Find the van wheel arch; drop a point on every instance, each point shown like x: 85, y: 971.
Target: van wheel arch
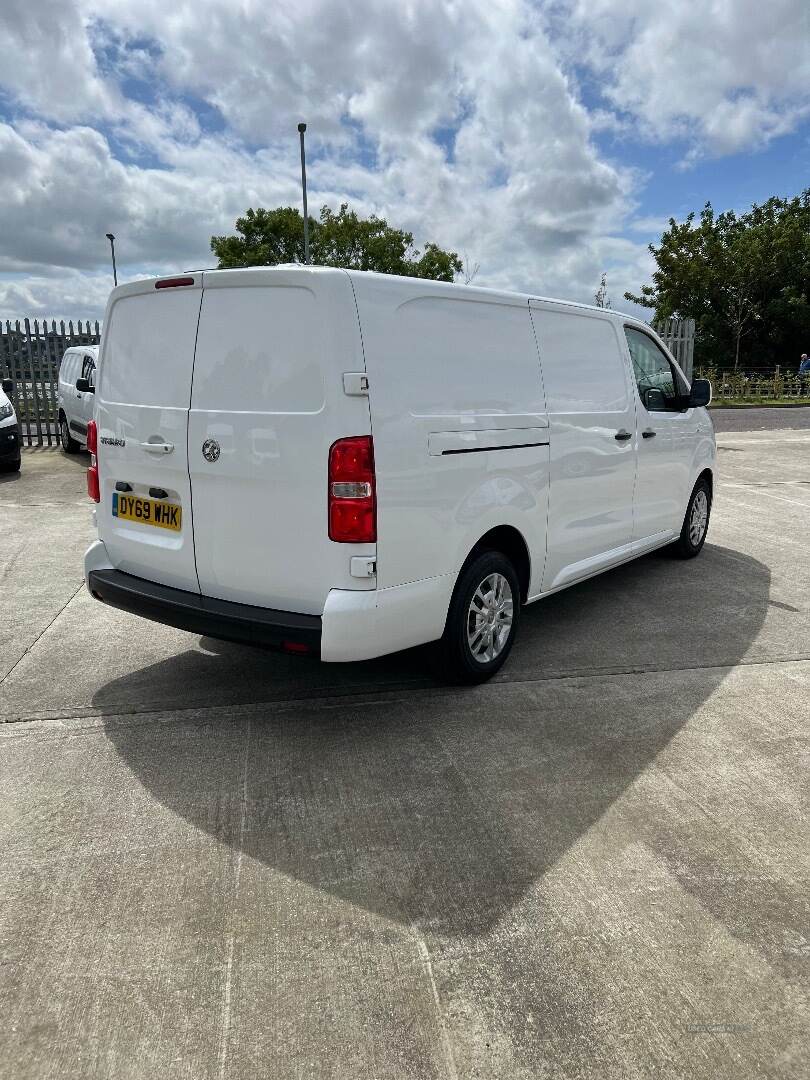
x: 72, y: 446
x: 510, y: 542
x: 708, y: 476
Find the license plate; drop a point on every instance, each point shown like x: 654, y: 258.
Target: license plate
x: 163, y: 515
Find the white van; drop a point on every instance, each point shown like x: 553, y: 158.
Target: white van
x: 76, y: 390
x: 10, y: 440
x: 349, y: 464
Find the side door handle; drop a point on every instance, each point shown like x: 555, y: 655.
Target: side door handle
x: 157, y: 447
x: 648, y: 434
x: 622, y: 436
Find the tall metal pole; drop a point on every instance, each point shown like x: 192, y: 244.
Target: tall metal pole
x: 301, y: 129
x: 111, y: 238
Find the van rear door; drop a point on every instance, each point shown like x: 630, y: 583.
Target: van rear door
x: 142, y: 404
x: 267, y: 403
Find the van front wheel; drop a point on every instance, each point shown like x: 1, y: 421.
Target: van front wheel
x: 482, y: 620
x: 695, y: 522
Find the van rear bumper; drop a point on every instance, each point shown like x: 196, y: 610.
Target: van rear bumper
x: 356, y: 624
x: 203, y: 614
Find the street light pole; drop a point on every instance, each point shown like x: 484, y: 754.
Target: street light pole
x: 111, y: 238
x: 301, y: 129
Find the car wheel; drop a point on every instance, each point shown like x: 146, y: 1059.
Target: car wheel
x: 69, y: 444
x: 482, y: 620
x: 695, y: 522
x: 12, y: 466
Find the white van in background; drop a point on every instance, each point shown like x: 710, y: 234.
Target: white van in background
x: 76, y: 395
x: 349, y: 464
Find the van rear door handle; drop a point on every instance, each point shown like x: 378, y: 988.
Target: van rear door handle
x: 648, y: 434
x: 157, y: 447
x: 622, y: 436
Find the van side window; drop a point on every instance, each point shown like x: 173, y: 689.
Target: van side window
x: 89, y: 370
x: 659, y: 387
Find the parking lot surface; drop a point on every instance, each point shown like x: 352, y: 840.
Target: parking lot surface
x: 751, y: 418
x: 222, y: 862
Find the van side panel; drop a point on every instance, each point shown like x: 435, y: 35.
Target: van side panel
x: 271, y: 351
x: 592, y: 472
x: 141, y: 403
x: 459, y: 424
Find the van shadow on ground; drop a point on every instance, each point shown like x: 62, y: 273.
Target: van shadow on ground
x: 443, y: 806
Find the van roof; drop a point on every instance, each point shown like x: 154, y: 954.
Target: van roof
x: 147, y: 285
x: 480, y: 290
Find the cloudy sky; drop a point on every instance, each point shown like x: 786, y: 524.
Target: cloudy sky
x: 548, y: 141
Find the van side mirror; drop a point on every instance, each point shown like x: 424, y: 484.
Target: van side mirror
x: 84, y: 387
x: 654, y: 400
x: 8, y: 386
x: 700, y: 394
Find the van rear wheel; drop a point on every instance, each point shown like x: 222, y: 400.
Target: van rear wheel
x: 482, y: 619
x: 69, y: 444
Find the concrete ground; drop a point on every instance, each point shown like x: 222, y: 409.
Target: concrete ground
x: 218, y: 862
x: 752, y: 418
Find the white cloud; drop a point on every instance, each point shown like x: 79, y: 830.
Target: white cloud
x: 67, y: 295
x: 457, y: 120
x: 723, y: 75
x: 524, y: 191
x: 48, y: 63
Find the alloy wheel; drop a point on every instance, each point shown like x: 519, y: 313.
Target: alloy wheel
x: 489, y: 618
x: 699, y: 517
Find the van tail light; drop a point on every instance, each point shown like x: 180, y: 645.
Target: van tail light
x: 352, y: 491
x: 93, y: 486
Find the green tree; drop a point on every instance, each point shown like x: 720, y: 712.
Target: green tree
x: 267, y: 237
x: 744, y: 280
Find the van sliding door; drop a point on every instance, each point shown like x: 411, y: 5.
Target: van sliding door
x: 592, y: 421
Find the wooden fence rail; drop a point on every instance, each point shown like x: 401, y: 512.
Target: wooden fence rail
x: 30, y: 354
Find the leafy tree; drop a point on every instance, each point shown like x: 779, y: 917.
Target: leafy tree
x: 744, y: 280
x: 268, y: 237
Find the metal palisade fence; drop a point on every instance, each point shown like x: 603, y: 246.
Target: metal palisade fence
x: 30, y: 354
x: 679, y: 337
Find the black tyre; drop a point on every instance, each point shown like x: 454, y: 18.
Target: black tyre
x: 482, y: 620
x: 695, y: 522
x: 12, y: 466
x: 69, y: 444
